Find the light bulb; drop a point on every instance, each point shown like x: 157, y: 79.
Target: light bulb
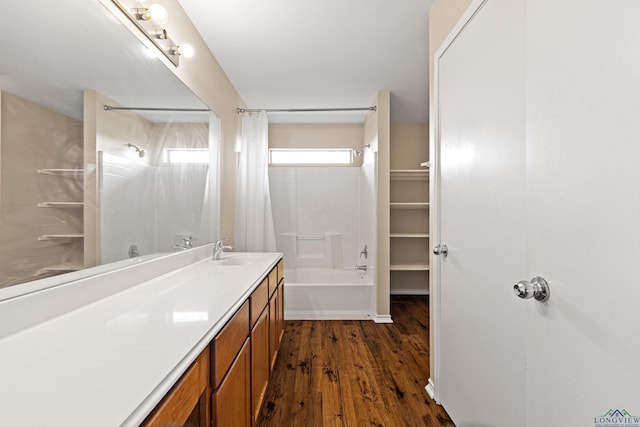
x: 186, y: 50
x: 158, y: 14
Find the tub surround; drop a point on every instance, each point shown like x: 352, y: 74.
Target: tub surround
x: 111, y: 356
x: 329, y: 294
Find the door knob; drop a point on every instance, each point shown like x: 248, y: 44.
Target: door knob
x: 537, y: 288
x: 441, y: 250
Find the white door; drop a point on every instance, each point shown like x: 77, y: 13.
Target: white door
x: 566, y: 207
x: 583, y: 204
x: 481, y: 375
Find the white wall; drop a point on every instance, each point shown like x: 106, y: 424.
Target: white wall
x: 314, y: 203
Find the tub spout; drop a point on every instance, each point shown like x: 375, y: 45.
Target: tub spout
x: 361, y: 267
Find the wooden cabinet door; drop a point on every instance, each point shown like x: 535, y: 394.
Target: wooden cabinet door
x: 280, y: 314
x: 273, y: 329
x: 259, y: 362
x: 187, y: 402
x: 232, y: 401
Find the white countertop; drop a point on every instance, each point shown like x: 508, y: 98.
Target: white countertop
x: 110, y: 362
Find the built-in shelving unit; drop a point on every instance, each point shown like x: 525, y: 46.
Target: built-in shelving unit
x: 414, y: 235
x: 62, y: 268
x: 409, y: 210
x: 409, y: 205
x: 62, y: 205
x: 64, y: 238
x: 409, y: 267
x: 61, y: 236
x: 73, y: 173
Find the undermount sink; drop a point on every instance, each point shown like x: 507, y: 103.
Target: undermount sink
x: 241, y: 259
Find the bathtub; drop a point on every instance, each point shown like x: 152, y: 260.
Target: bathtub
x: 327, y: 294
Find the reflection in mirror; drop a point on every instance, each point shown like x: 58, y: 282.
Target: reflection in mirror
x: 75, y: 191
x: 152, y: 184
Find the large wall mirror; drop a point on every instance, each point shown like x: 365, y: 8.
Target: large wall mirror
x: 81, y: 186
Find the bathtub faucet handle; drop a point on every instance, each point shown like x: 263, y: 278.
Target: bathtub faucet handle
x: 364, y: 252
x: 361, y: 267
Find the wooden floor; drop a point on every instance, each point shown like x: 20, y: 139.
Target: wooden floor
x: 355, y: 373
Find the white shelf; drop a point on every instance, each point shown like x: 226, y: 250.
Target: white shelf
x: 62, y: 205
x: 409, y: 174
x: 60, y: 236
x: 410, y: 267
x: 410, y: 235
x: 419, y: 205
x: 64, y: 267
x: 62, y: 172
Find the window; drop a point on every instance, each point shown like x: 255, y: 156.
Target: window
x: 186, y: 155
x: 300, y: 156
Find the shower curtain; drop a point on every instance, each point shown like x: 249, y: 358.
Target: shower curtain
x: 155, y: 201
x: 210, y: 221
x: 254, y: 230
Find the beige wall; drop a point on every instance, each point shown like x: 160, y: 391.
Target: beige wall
x: 34, y: 137
x: 317, y: 136
x: 409, y: 145
x: 444, y: 14
x: 107, y: 131
x: 378, y: 134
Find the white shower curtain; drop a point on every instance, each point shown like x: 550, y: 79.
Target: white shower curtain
x: 254, y: 230
x: 211, y: 213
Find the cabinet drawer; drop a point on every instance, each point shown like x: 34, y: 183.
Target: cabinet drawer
x: 280, y: 270
x: 259, y: 299
x: 228, y: 343
x: 273, y: 281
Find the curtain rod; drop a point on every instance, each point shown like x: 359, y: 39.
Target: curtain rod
x: 302, y: 110
x: 109, y: 108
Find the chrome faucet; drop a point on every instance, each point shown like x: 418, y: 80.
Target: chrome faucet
x: 187, y: 243
x: 219, y: 247
x: 364, y: 252
x: 361, y: 267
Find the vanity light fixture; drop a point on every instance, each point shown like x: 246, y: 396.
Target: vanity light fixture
x: 150, y: 20
x: 155, y: 12
x: 187, y: 50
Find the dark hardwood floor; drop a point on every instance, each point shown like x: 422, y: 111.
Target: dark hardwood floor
x: 355, y: 373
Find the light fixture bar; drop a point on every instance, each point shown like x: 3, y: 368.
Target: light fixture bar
x: 159, y: 38
x: 303, y: 110
x: 191, y: 110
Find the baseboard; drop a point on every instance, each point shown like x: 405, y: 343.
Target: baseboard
x: 419, y: 292
x: 381, y: 318
x: 326, y: 315
x: 431, y: 390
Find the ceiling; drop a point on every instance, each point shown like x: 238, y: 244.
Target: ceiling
x: 320, y: 54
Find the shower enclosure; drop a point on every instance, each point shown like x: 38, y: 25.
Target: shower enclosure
x: 156, y: 189
x: 324, y: 219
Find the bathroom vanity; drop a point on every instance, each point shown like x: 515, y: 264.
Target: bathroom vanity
x: 190, y: 345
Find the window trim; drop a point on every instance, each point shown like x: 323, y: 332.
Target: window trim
x: 342, y: 151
